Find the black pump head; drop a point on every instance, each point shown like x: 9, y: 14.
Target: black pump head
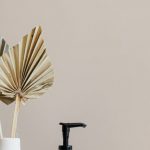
x: 66, y: 129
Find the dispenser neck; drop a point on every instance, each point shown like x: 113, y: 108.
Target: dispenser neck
x: 65, y: 135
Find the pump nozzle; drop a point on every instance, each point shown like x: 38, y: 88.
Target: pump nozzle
x: 73, y: 125
x: 66, y: 129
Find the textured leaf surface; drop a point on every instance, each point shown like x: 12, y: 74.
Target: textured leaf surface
x: 25, y: 69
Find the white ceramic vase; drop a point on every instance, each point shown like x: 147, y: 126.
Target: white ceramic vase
x: 10, y: 144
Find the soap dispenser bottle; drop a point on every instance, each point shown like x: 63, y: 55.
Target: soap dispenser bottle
x: 65, y: 130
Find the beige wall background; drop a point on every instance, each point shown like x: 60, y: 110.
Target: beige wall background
x: 100, y: 50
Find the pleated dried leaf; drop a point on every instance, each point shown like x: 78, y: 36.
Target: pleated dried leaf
x: 25, y: 69
x: 4, y: 47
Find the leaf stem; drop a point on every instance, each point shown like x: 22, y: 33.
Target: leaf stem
x: 15, y: 116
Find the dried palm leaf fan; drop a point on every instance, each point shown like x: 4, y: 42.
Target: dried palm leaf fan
x: 4, y: 47
x: 25, y: 72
